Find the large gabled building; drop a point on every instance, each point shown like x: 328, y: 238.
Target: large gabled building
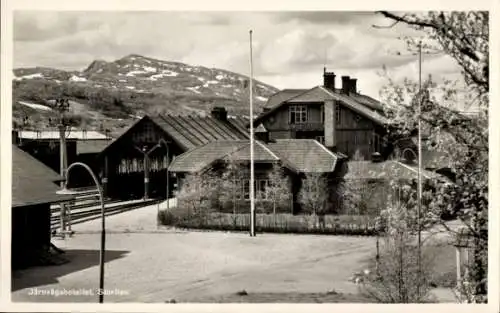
x: 340, y: 118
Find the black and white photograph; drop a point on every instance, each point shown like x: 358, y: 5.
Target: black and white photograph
x: 177, y: 157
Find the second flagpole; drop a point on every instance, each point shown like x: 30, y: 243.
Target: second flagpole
x: 252, y: 174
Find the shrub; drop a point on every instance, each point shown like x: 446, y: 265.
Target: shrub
x: 167, y: 218
x: 397, y: 278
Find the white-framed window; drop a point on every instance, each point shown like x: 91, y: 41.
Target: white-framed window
x: 243, y: 189
x: 298, y: 114
x: 338, y: 114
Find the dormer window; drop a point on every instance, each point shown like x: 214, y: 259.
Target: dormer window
x: 298, y: 114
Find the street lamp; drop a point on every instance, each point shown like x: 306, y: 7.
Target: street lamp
x: 146, y: 154
x: 67, y: 191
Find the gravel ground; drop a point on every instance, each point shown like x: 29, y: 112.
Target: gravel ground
x: 147, y: 263
x: 186, y: 266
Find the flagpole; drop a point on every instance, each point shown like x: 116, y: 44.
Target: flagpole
x: 252, y: 177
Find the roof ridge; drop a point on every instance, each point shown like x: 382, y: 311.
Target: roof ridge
x: 234, y: 150
x: 329, y: 152
x: 347, y: 100
x: 267, y: 149
x: 187, y: 153
x: 300, y: 94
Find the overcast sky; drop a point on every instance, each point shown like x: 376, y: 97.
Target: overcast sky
x: 290, y: 48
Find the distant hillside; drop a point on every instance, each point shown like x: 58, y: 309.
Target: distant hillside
x: 130, y: 87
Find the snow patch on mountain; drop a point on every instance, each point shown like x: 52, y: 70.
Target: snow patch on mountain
x: 30, y: 76
x: 164, y: 73
x: 150, y: 69
x: 35, y: 106
x: 194, y: 89
x: 75, y: 78
x: 133, y: 73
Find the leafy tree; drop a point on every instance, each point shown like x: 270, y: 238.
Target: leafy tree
x: 233, y: 177
x: 313, y: 194
x: 464, y: 36
x: 278, y: 188
x: 194, y: 196
x: 359, y: 192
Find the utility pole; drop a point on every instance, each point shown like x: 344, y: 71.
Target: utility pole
x: 419, y: 196
x: 61, y: 107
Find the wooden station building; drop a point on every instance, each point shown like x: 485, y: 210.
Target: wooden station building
x: 134, y: 165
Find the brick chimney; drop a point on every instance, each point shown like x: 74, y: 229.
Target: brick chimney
x: 219, y: 113
x: 328, y: 80
x: 352, y: 85
x: 346, y: 82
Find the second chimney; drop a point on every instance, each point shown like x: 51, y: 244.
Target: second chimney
x: 346, y: 82
x: 352, y: 85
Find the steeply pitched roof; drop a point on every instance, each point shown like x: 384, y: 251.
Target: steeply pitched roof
x: 307, y: 155
x: 91, y: 146
x: 363, y: 105
x: 282, y: 96
x: 194, y: 131
x: 358, y: 107
x: 201, y: 157
x: 386, y: 170
x: 32, y: 181
x: 240, y: 123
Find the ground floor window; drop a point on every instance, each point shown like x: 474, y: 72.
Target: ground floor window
x: 243, y: 189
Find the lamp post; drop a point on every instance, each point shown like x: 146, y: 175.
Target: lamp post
x: 65, y: 190
x: 146, y: 154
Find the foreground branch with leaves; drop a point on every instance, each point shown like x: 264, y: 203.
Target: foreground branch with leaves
x: 464, y: 36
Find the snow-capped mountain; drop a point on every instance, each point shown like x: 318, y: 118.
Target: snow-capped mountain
x: 135, y: 85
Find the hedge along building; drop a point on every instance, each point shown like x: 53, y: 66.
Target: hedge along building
x: 295, y: 157
x: 134, y: 165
